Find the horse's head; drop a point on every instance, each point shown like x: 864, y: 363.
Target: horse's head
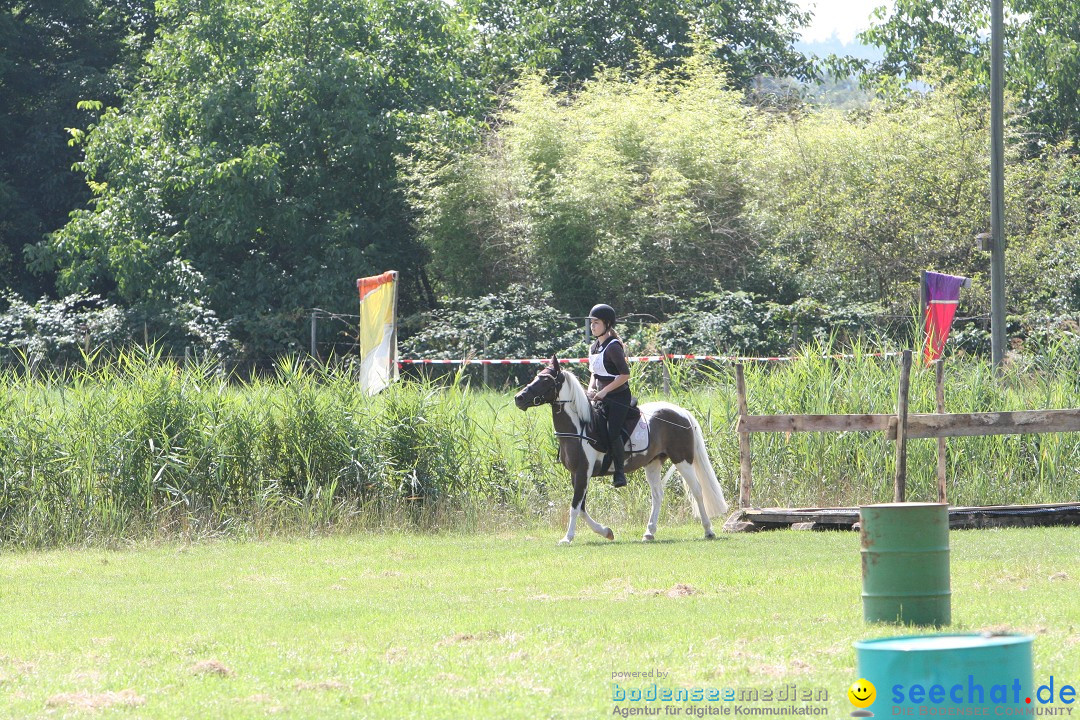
x: 544, y: 388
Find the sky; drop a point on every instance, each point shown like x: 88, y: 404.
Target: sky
x: 842, y: 18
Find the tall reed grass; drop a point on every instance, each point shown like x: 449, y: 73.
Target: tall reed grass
x: 139, y: 447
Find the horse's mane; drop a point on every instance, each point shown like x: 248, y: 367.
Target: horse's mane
x: 578, y: 401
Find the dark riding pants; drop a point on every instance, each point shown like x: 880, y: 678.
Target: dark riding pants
x: 617, y: 405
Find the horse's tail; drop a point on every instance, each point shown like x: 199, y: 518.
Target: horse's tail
x: 711, y: 492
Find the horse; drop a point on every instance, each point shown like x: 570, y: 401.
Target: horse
x: 674, y: 434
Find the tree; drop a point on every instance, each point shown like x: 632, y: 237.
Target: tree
x: 1042, y: 59
x: 252, y: 172
x: 856, y: 205
x: 570, y: 40
x: 630, y: 190
x: 53, y: 54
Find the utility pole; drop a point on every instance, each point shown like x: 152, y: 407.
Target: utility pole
x: 997, y: 185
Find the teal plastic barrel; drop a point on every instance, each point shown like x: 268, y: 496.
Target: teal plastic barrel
x: 905, y: 563
x: 932, y: 674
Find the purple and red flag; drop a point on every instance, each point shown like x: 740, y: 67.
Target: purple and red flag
x: 942, y: 293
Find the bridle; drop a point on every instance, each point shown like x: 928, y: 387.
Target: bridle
x: 550, y: 395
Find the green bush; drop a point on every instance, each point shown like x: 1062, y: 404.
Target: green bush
x: 741, y: 323
x: 519, y: 323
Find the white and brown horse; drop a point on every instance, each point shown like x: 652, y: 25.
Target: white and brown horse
x: 674, y: 435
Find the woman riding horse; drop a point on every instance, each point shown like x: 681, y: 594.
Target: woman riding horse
x: 673, y: 434
x: 610, y: 382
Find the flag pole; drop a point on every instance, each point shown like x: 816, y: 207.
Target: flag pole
x: 393, y: 337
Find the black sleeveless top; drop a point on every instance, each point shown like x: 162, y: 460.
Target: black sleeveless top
x: 614, y: 357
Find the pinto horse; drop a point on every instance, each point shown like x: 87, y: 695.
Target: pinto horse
x: 674, y: 435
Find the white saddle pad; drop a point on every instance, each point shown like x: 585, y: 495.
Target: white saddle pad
x: 639, y: 439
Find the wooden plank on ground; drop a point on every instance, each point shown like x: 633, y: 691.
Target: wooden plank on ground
x: 972, y: 518
x: 960, y: 518
x: 802, y: 514
x: 769, y: 518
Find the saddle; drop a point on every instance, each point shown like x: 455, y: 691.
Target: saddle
x: 598, y: 436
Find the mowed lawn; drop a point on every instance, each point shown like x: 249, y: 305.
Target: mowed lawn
x: 480, y: 625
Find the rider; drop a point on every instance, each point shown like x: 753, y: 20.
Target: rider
x: 610, y: 381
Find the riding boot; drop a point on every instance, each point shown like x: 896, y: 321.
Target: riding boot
x: 616, y: 413
x: 618, y: 477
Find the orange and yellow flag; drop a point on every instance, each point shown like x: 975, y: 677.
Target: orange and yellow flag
x: 378, y: 330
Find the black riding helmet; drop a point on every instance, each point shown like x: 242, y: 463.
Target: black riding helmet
x: 603, y: 313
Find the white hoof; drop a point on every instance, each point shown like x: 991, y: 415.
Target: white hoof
x: 566, y: 541
x: 648, y: 537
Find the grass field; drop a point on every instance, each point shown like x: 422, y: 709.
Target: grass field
x: 495, y: 625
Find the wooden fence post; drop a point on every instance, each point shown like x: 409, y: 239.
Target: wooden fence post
x: 900, y: 483
x: 745, y: 481
x: 939, y: 371
x: 485, y: 367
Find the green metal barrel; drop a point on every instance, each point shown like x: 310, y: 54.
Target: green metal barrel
x: 905, y: 563
x: 958, y: 675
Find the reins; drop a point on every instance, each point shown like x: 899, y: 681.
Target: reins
x: 581, y: 435
x: 651, y: 417
x: 557, y: 406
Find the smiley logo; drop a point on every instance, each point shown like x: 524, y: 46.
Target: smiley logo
x: 862, y: 693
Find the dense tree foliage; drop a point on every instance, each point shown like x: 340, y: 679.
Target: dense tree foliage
x: 570, y: 40
x: 252, y: 172
x: 53, y: 54
x: 628, y: 190
x: 237, y: 164
x: 857, y: 205
x: 649, y: 191
x: 1042, y: 49
x: 60, y: 331
x: 517, y: 322
x: 244, y: 166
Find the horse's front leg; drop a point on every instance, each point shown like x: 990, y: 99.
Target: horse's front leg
x: 577, y: 504
x: 597, y: 527
x: 577, y: 509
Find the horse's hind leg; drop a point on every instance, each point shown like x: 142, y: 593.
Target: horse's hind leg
x: 656, y: 486
x: 694, y: 486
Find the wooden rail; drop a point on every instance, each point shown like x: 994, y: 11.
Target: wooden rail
x: 899, y: 427
x: 816, y: 423
x: 925, y: 425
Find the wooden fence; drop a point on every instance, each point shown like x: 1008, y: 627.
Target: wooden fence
x: 899, y: 427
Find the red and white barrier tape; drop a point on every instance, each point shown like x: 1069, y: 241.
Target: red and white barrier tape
x: 638, y: 358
